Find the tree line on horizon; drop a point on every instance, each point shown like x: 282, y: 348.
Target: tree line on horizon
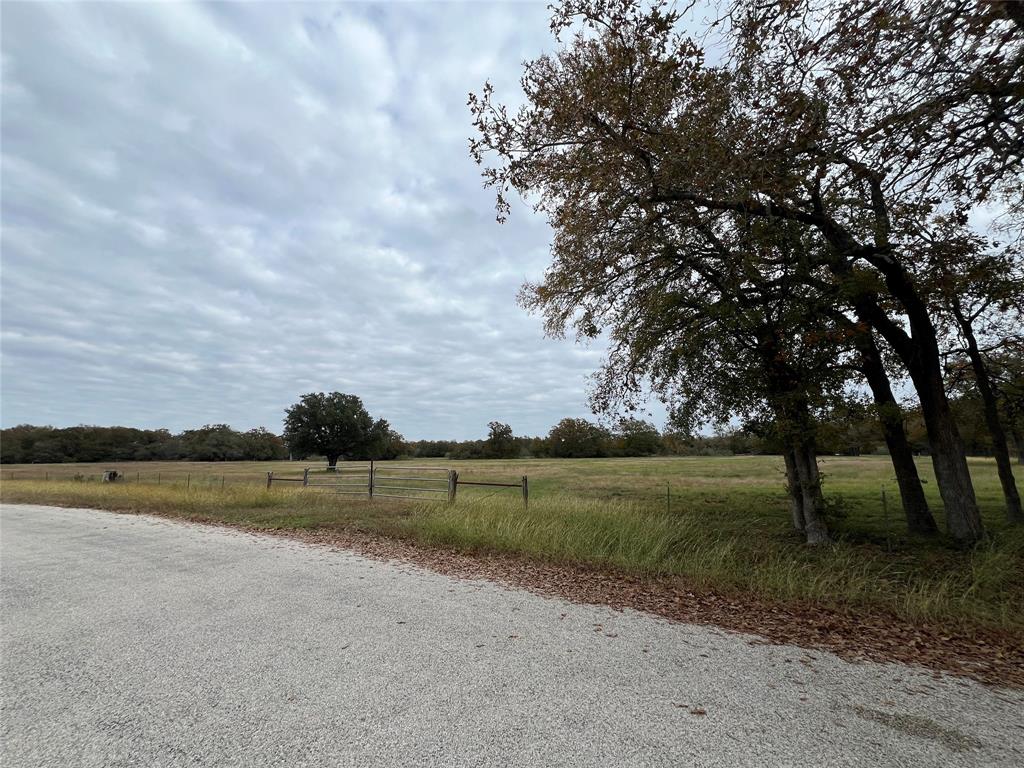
x: 852, y: 431
x: 29, y: 444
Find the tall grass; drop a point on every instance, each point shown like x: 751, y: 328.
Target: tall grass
x: 242, y: 505
x: 730, y: 549
x: 982, y: 587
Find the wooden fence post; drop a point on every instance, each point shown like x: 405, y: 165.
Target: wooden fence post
x: 270, y: 479
x: 369, y: 486
x: 305, y: 477
x: 188, y: 481
x: 885, y: 516
x: 453, y: 485
x: 526, y: 493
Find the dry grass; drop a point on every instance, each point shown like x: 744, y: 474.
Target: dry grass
x: 725, y: 527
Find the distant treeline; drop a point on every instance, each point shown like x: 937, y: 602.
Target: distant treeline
x: 854, y: 431
x: 27, y: 444
x: 570, y: 438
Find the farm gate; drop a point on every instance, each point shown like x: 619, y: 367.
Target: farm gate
x: 371, y: 479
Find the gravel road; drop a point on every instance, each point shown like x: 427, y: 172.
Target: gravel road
x: 134, y: 640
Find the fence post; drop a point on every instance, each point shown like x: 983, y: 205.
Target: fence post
x: 305, y: 477
x: 222, y: 482
x: 369, y: 486
x: 453, y: 485
x: 188, y: 481
x: 526, y: 493
x: 270, y: 479
x: 885, y: 516
x: 158, y: 477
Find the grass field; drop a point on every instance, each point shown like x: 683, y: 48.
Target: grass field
x: 720, y: 522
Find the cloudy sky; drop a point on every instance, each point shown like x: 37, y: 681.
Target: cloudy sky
x: 209, y: 210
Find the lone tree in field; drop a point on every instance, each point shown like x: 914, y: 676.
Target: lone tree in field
x: 335, y: 425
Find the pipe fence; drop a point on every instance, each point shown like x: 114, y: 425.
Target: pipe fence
x: 392, y: 481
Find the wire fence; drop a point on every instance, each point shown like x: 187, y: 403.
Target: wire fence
x: 392, y: 481
x: 361, y: 479
x: 161, y: 477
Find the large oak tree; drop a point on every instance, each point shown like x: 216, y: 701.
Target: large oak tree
x: 628, y: 126
x: 336, y: 426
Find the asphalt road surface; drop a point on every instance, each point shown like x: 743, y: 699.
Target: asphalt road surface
x: 133, y: 640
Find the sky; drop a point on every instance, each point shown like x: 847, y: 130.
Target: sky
x: 210, y: 210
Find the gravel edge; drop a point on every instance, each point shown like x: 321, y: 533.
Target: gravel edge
x: 988, y: 656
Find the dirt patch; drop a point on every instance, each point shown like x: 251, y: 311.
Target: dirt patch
x: 920, y: 727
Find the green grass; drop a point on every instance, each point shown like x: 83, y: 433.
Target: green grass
x: 725, y: 526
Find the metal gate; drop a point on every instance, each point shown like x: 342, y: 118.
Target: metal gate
x: 370, y: 480
x: 390, y: 481
x: 403, y: 482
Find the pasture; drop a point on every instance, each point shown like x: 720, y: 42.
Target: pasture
x: 715, y: 522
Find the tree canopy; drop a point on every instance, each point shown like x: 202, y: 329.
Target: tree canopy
x: 500, y: 443
x: 745, y: 232
x: 335, y: 425
x: 577, y: 439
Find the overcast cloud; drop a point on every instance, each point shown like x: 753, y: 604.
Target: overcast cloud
x: 210, y: 210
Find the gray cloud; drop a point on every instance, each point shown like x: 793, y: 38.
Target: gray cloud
x: 210, y: 210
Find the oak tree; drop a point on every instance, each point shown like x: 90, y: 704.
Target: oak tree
x: 335, y: 426
x: 627, y: 127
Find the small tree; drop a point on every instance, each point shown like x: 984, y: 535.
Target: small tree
x: 212, y: 442
x: 982, y: 289
x: 577, y: 439
x: 335, y: 425
x: 260, y: 444
x: 637, y: 437
x: 387, y: 443
x: 500, y: 443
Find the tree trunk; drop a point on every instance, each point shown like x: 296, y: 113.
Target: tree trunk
x: 918, y: 350
x: 1014, y: 513
x: 332, y: 460
x: 796, y: 495
x: 796, y: 430
x: 915, y: 506
x: 963, y: 521
x: 810, y: 486
x: 1004, y: 465
x: 920, y: 354
x: 1018, y: 444
x: 805, y: 492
